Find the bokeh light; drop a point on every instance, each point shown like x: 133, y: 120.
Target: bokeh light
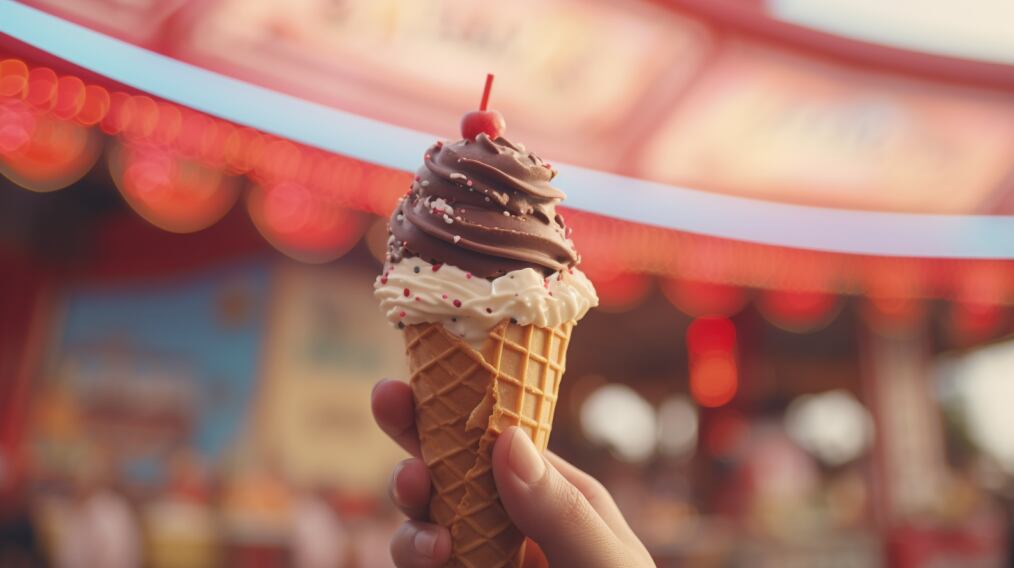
x: 714, y: 373
x: 17, y: 124
x: 13, y: 77
x: 57, y: 154
x: 42, y: 83
x: 714, y: 380
x: 984, y: 389
x: 700, y: 299
x: 175, y: 194
x: 677, y: 427
x: 799, y: 311
x: 70, y: 97
x: 303, y: 224
x: 376, y: 239
x: 711, y: 336
x: 833, y: 426
x: 618, y: 417
x: 618, y: 291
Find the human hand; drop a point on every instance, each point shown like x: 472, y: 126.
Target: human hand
x: 568, y: 516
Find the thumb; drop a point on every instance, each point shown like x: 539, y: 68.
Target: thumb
x: 549, y: 509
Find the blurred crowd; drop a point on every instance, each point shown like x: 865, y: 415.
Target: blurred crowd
x: 254, y: 518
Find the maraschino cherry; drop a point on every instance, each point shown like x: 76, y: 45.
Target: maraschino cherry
x: 489, y: 121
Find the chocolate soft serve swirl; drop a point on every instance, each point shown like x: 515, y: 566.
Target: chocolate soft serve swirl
x: 485, y: 206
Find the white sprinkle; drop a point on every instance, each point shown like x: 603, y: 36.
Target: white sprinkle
x: 506, y: 214
x: 456, y: 175
x: 487, y: 198
x: 401, y: 217
x: 448, y: 220
x: 424, y: 182
x: 439, y: 204
x: 456, y: 238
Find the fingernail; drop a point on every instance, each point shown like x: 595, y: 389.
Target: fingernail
x: 524, y: 459
x: 425, y: 542
x: 395, y: 495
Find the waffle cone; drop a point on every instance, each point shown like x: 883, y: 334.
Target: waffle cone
x: 464, y: 399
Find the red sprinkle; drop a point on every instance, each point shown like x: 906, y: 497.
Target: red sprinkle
x: 406, y: 292
x: 402, y: 314
x: 418, y: 299
x: 440, y: 144
x: 383, y: 279
x: 468, y: 183
x: 436, y: 267
x: 468, y: 275
x: 444, y: 296
x: 457, y: 303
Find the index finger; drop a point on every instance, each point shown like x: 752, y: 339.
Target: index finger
x: 394, y: 412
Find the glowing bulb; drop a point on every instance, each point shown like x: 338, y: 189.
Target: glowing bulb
x: 95, y: 106
x: 615, y: 415
x: 13, y: 78
x: 70, y: 97
x: 714, y: 380
x: 833, y: 426
x: 677, y: 426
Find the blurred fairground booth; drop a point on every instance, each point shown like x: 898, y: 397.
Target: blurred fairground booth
x: 802, y: 240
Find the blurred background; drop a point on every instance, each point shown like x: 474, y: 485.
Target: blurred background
x: 188, y: 337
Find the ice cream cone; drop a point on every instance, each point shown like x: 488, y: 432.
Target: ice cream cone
x: 464, y: 398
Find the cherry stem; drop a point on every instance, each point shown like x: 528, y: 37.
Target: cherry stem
x: 485, y: 91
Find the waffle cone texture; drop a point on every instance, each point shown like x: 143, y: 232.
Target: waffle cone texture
x: 464, y: 399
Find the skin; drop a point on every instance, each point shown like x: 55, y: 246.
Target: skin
x: 568, y: 516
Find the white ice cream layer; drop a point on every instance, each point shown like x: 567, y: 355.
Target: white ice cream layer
x: 412, y: 292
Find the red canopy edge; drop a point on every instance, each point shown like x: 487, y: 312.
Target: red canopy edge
x: 607, y: 244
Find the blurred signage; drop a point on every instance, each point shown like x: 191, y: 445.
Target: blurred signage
x: 632, y: 87
x: 567, y: 70
x: 327, y: 347
x: 773, y: 125
x: 140, y: 371
x: 137, y: 21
